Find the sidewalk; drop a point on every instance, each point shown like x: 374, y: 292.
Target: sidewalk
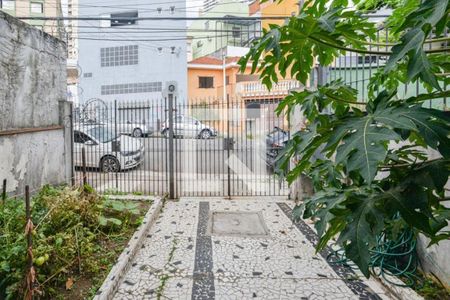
x: 260, y: 254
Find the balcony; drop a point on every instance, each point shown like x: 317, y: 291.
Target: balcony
x: 255, y: 89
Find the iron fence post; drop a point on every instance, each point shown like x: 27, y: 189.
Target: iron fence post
x: 118, y: 140
x: 171, y: 149
x: 72, y: 148
x: 83, y: 163
x: 228, y: 149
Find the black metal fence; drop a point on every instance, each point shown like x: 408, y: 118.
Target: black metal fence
x: 201, y: 147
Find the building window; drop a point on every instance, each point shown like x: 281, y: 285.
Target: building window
x: 206, y: 82
x: 37, y: 7
x: 227, y: 80
x: 87, y: 75
x: 131, y: 88
x: 7, y: 4
x: 123, y: 19
x: 119, y: 56
x: 206, y: 25
x: 236, y: 31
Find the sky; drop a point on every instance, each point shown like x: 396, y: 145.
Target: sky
x: 192, y: 12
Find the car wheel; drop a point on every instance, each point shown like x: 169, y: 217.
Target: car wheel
x: 109, y: 164
x: 205, y: 134
x: 137, y: 133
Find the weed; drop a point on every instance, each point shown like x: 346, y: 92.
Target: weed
x: 78, y: 234
x: 431, y: 289
x: 163, y: 278
x: 114, y: 192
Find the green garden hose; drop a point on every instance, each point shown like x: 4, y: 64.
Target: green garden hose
x: 389, y: 258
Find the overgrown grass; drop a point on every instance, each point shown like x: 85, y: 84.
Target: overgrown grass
x: 77, y: 237
x: 431, y: 289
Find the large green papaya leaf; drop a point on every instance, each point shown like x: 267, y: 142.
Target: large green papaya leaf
x: 364, y: 145
x: 359, y: 236
x: 363, y: 140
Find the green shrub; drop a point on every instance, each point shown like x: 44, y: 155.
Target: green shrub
x: 70, y: 228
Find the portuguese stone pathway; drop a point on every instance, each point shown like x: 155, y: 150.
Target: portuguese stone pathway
x: 237, y: 249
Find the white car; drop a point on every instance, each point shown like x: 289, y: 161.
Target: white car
x: 105, y: 149
x: 188, y: 127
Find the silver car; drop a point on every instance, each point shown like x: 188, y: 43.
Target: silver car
x: 135, y: 129
x: 188, y: 127
x: 106, y: 150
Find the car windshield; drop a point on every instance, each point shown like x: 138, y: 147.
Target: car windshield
x: 102, y: 134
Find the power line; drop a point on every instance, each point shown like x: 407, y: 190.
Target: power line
x: 154, y: 18
x: 132, y: 39
x: 133, y: 6
x: 153, y: 29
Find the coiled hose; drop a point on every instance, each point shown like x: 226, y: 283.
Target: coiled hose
x: 389, y: 258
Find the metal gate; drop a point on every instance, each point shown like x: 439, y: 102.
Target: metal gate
x: 200, y: 147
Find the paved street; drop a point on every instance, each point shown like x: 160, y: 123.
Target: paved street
x: 259, y: 254
x: 196, y: 155
x: 205, y: 156
x: 200, y: 168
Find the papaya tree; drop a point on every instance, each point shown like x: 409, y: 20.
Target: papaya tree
x: 375, y: 172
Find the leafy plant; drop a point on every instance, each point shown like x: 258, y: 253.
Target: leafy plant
x: 72, y: 228
x: 369, y: 162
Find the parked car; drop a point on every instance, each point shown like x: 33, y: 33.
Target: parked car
x: 105, y: 149
x: 135, y: 129
x: 188, y: 127
x: 276, y: 140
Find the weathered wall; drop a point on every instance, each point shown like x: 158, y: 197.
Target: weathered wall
x: 32, y: 86
x: 436, y: 259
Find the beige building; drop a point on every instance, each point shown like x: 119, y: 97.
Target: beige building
x: 37, y: 8
x: 70, y: 9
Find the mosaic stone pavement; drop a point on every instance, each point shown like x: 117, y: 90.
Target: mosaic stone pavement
x: 180, y: 259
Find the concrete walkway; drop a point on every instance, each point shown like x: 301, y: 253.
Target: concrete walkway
x: 259, y: 254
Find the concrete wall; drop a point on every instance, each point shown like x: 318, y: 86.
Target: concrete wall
x: 436, y: 259
x: 32, y: 94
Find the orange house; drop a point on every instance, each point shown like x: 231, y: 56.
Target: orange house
x: 205, y: 78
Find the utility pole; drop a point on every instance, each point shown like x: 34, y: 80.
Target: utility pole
x: 224, y: 73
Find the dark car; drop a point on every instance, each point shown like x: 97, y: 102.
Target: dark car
x: 276, y: 140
